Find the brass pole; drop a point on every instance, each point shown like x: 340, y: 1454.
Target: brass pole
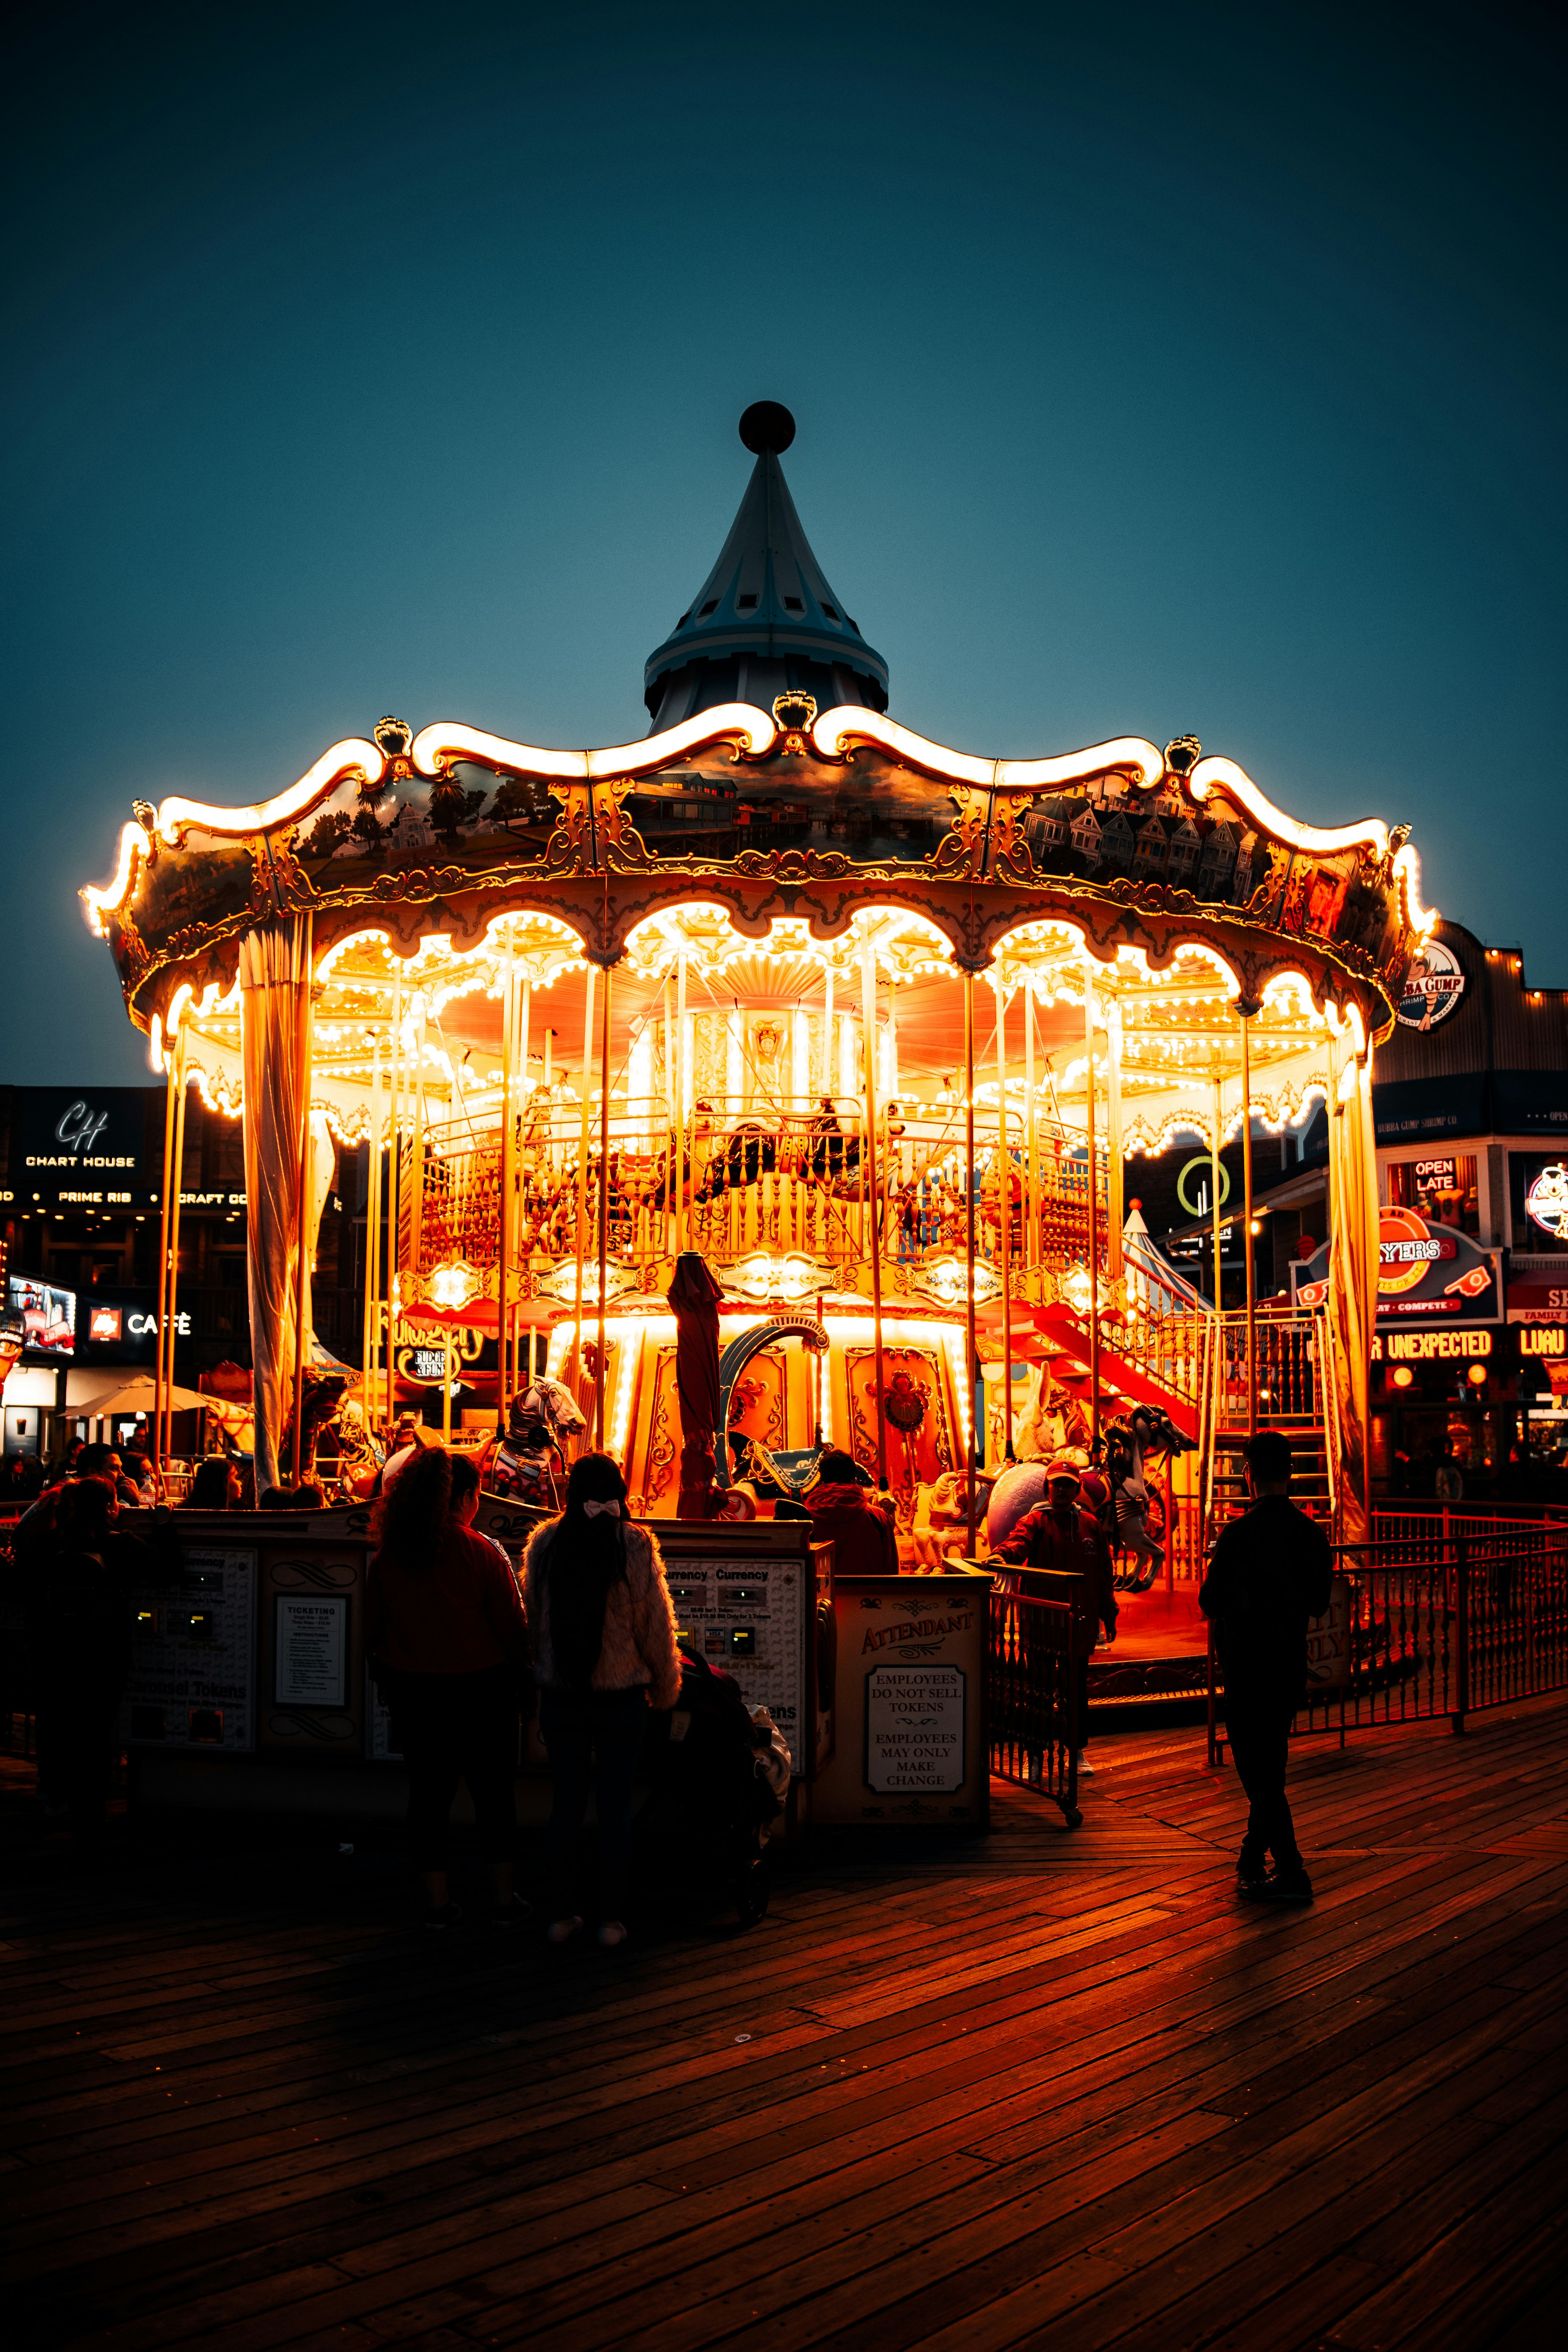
x: 393, y: 1173
x: 1005, y: 1219
x: 1216, y: 1172
x: 372, y: 1231
x: 504, y: 1221
x: 1093, y: 1217
x: 1246, y: 1227
x: 1115, y: 1173
x: 172, y: 1319
x: 683, y: 1081
x: 304, y: 928
x: 171, y: 1092
x: 972, y: 1355
x: 1032, y: 1237
x: 576, y: 1362
x: 669, y: 1237
x: 868, y: 1018
x: 603, y: 1205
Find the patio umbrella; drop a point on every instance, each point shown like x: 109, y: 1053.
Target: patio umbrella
x: 136, y: 1397
x: 694, y: 1297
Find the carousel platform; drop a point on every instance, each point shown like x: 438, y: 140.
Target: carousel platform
x: 1161, y: 1649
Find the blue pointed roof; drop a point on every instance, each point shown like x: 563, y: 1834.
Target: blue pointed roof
x: 766, y: 602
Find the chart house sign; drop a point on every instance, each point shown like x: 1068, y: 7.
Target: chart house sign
x: 1426, y: 1273
x: 1433, y: 987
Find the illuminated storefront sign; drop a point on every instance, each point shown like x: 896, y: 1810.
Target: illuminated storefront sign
x: 1547, y: 1342
x: 1426, y: 1272
x: 1431, y: 1347
x: 1433, y: 987
x: 1546, y: 1201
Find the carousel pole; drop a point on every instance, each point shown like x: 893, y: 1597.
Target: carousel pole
x: 971, y: 1358
x: 393, y: 1114
x: 575, y: 1365
x: 1246, y: 1226
x: 1115, y: 1173
x: 171, y: 1096
x: 503, y: 1239
x: 171, y: 1317
x: 1093, y: 1216
x: 670, y: 1225
x: 1005, y: 1218
x: 1216, y: 1172
x: 446, y: 1384
x: 869, y: 1015
x: 303, y: 936
x: 603, y: 1205
x: 1032, y: 1238
x: 372, y: 1230
x: 682, y: 1086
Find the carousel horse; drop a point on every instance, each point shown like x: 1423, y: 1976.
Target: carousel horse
x: 749, y: 1152
x: 322, y: 1399
x: 771, y: 1473
x: 525, y: 1462
x: 1130, y: 1442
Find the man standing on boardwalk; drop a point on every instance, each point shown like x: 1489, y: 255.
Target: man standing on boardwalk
x: 1270, y: 1572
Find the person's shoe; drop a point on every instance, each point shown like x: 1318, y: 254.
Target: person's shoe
x: 1085, y: 1768
x: 612, y: 1935
x: 1251, y: 1872
x: 446, y: 1915
x: 513, y: 1914
x: 1282, y: 1886
x: 560, y: 1931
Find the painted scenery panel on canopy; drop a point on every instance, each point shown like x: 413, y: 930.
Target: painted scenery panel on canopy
x: 470, y: 817
x: 712, y: 809
x: 207, y: 880
x: 914, y: 1408
x: 1108, y: 831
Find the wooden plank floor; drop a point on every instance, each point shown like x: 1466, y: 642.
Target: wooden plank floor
x: 1037, y: 2089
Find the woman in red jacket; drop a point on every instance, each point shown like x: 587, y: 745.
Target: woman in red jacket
x: 446, y: 1634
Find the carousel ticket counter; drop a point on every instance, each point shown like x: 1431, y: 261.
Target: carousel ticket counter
x: 911, y: 1742
x: 249, y: 1691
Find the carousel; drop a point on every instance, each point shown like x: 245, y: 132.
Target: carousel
x: 786, y: 1017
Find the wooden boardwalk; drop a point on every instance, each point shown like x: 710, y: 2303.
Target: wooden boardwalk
x: 1039, y: 2089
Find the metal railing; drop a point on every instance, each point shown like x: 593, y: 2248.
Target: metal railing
x: 728, y: 1181
x: 1032, y: 1697
x: 1443, y: 1620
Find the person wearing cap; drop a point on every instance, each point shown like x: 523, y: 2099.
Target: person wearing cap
x: 1061, y: 1534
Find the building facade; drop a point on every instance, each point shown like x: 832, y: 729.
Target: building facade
x: 81, y: 1175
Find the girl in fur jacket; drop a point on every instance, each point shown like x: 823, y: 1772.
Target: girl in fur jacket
x: 603, y: 1649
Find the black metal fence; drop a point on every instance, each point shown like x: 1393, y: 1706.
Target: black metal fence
x: 1457, y: 1615
x: 1033, y: 1697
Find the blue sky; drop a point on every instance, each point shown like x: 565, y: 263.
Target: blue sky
x: 1154, y: 370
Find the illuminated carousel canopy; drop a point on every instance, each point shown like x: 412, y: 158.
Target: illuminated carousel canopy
x: 805, y: 864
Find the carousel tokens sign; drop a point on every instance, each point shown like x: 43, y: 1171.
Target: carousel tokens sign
x: 914, y: 1729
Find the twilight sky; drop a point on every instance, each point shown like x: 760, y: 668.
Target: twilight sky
x: 1156, y: 370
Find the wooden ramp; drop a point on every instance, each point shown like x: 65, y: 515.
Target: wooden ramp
x: 1041, y: 2089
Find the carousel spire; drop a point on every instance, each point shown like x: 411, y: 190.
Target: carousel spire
x: 766, y: 619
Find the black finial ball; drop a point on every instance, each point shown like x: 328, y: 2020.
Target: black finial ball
x: 767, y: 425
